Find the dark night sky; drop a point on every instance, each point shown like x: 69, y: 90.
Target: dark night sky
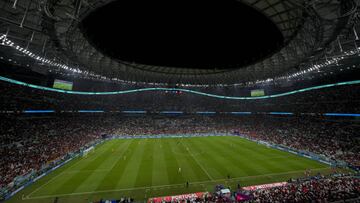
x: 182, y: 33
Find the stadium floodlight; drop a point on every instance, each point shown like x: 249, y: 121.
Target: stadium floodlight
x: 50, y: 62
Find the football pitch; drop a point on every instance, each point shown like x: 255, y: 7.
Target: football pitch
x: 143, y: 168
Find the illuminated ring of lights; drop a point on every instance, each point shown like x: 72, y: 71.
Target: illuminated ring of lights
x: 176, y: 89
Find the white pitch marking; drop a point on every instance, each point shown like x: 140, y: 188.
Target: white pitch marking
x: 197, y: 161
x: 52, y: 179
x: 49, y: 181
x: 162, y: 186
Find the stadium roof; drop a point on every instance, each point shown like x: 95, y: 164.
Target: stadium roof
x: 54, y: 31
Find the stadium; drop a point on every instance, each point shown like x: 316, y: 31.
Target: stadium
x: 179, y: 101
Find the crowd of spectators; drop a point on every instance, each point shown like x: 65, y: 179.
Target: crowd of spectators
x: 332, y: 188
x: 154, y: 125
x: 316, y: 189
x: 334, y: 140
x: 27, y: 143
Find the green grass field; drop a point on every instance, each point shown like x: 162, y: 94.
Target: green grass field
x: 63, y: 85
x: 143, y: 168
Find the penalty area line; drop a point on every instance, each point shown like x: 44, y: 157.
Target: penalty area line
x: 197, y: 161
x: 79, y: 159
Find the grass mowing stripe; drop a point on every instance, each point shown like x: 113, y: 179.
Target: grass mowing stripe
x: 197, y: 161
x: 265, y: 165
x: 209, y: 152
x: 164, y: 186
x: 84, y: 171
x: 241, y: 157
x: 171, y: 163
x: 249, y: 161
x: 258, y: 153
x: 190, y: 169
x: 61, y: 171
x: 130, y: 169
x: 290, y: 161
x: 94, y: 179
x: 70, y: 182
x: 111, y: 178
x: 78, y: 161
x: 160, y: 174
x: 293, y: 163
x: 208, y: 157
x: 145, y: 172
x: 52, y: 179
x: 216, y: 157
